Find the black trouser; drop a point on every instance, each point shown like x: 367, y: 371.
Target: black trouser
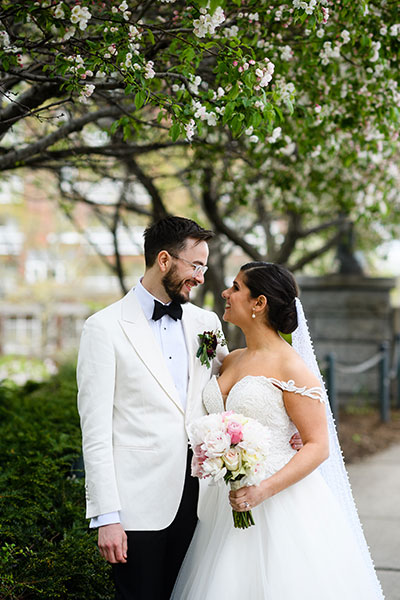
x: 155, y: 557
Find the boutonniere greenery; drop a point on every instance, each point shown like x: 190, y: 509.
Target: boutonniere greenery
x: 209, y: 341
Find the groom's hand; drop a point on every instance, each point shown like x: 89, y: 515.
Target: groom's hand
x: 296, y: 442
x: 113, y: 543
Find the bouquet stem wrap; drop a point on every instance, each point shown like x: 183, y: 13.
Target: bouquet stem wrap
x: 241, y: 520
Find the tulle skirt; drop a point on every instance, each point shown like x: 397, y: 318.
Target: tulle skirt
x: 301, y: 548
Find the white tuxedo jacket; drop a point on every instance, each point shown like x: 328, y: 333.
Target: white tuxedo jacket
x: 133, y: 425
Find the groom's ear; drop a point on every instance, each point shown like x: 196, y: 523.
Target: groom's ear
x: 163, y: 261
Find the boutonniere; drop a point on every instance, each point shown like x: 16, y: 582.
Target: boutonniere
x: 209, y: 341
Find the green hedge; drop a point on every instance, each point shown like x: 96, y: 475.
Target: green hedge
x: 46, y: 549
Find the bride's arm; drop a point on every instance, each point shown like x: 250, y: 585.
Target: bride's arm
x: 309, y: 416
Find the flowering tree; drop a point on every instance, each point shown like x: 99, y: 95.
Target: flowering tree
x: 288, y: 109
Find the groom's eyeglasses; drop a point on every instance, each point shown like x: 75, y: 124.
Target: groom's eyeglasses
x: 197, y: 269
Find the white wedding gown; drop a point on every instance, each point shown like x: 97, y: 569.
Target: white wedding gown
x: 301, y: 547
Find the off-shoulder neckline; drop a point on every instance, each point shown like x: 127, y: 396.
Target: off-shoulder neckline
x: 313, y: 392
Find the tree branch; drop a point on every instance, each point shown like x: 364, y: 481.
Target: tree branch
x: 116, y: 150
x: 11, y: 159
x: 307, y: 258
x: 159, y: 210
x: 23, y: 105
x: 210, y: 207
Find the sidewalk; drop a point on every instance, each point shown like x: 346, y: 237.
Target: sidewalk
x: 376, y: 488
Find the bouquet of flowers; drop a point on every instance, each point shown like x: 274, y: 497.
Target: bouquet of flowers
x: 232, y: 447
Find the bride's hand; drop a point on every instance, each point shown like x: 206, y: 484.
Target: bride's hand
x: 247, y: 498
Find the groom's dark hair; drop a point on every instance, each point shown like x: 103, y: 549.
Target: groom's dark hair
x: 170, y: 234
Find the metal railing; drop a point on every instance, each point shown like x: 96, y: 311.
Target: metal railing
x: 386, y: 374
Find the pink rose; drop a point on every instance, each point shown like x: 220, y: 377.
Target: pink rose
x: 235, y: 431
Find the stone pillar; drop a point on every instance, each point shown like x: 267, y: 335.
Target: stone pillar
x: 349, y: 315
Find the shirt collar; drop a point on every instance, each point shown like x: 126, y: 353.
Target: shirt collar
x: 146, y: 300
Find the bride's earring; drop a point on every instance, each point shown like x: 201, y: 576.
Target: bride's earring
x: 253, y: 316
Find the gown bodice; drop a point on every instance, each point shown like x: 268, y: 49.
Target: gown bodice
x: 302, y: 545
x: 259, y: 398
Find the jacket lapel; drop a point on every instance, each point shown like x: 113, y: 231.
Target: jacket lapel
x: 192, y: 326
x: 140, y: 335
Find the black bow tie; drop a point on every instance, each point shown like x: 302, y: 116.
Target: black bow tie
x: 174, y: 310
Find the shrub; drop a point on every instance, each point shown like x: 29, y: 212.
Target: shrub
x: 46, y: 549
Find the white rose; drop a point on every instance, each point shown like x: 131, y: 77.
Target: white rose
x: 216, y: 443
x: 214, y: 467
x: 232, y: 460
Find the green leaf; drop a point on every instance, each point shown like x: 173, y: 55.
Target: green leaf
x: 289, y: 105
x: 256, y: 119
x: 236, y: 124
x: 234, y: 92
x: 140, y: 98
x: 114, y: 127
x: 151, y: 36
x: 175, y: 131
x: 229, y: 108
x: 214, y: 5
x: 279, y: 113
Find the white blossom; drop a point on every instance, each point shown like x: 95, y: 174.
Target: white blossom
x: 80, y: 15
x: 308, y: 7
x: 4, y: 39
x: 231, y: 31
x: 345, y: 35
x: 69, y: 32
x: 195, y: 81
x: 325, y: 12
x: 290, y: 147
x: 149, y: 72
x: 276, y: 134
x: 375, y: 49
x: 58, y: 11
x: 286, y: 53
x: 264, y: 74
x: 112, y: 49
x: 329, y: 52
x: 86, y: 92
x: 190, y: 129
x: 206, y: 23
x: 134, y: 33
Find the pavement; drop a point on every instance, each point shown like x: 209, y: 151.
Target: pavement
x: 376, y: 488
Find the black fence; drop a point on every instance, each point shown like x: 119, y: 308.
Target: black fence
x: 387, y: 364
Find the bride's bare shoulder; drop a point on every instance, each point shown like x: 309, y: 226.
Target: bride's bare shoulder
x: 231, y: 358
x: 295, y: 369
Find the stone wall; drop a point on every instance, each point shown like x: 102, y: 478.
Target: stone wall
x: 351, y: 316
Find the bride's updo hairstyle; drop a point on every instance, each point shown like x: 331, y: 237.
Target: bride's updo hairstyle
x: 278, y: 285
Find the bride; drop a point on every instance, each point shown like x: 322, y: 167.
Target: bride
x: 307, y: 541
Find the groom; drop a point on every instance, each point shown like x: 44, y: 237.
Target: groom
x: 140, y: 384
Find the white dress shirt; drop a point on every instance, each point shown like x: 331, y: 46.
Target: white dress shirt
x: 171, y: 338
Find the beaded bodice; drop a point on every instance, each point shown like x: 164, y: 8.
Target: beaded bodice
x: 260, y: 398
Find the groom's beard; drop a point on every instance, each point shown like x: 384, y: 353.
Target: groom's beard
x: 173, y: 286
